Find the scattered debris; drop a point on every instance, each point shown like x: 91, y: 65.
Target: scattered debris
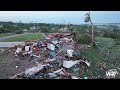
x: 2, y: 50
x: 85, y: 77
x: 16, y: 66
x: 16, y: 75
x: 69, y: 53
x: 35, y: 55
x: 34, y: 70
x: 86, y: 62
x: 69, y: 64
x: 54, y: 55
x: 74, y: 77
x: 51, y: 46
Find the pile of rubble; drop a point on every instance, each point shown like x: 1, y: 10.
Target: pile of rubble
x: 54, y: 55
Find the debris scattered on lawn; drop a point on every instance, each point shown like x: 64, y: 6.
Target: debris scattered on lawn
x: 55, y: 55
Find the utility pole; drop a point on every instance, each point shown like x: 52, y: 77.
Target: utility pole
x: 92, y: 30
x: 88, y: 19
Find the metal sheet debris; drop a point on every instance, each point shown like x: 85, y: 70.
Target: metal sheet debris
x: 69, y: 64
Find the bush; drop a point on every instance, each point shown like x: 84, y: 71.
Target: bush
x: 19, y: 32
x: 44, y: 31
x: 110, y: 35
x: 84, y: 39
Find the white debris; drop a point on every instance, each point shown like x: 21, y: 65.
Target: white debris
x: 89, y: 46
x: 66, y: 39
x: 33, y: 70
x: 37, y: 62
x: 111, y: 73
x: 74, y: 77
x: 69, y: 53
x: 86, y: 62
x: 27, y: 48
x: 51, y: 46
x: 85, y: 77
x: 30, y: 52
x: 16, y: 66
x: 52, y: 75
x: 50, y: 60
x: 69, y: 64
x: 19, y: 49
x: 55, y: 42
x: 34, y: 44
x: 60, y: 71
x: 35, y: 55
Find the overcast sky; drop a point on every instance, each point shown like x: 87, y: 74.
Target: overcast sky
x: 75, y: 17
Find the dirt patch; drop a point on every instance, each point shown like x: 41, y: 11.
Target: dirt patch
x: 12, y: 65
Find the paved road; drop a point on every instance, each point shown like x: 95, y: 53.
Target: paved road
x: 10, y: 44
x: 12, y: 36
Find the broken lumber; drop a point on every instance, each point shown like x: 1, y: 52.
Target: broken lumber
x: 34, y: 70
x: 13, y: 77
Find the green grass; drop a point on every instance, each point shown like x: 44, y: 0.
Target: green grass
x: 35, y: 36
x: 104, y: 45
x: 93, y: 55
x: 6, y: 34
x: 112, y: 45
x: 84, y: 39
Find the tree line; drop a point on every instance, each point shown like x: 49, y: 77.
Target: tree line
x: 10, y: 27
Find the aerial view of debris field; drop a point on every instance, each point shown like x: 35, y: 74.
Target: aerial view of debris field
x: 60, y: 51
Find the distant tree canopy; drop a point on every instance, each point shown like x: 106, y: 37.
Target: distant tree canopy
x: 10, y: 27
x: 111, y: 31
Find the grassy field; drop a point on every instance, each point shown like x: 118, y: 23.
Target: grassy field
x: 107, y: 48
x: 35, y: 36
x: 100, y: 54
x: 93, y: 55
x: 6, y: 34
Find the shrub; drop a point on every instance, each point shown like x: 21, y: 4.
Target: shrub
x: 19, y: 32
x: 84, y: 39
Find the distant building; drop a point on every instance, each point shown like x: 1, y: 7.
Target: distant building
x: 1, y: 26
x: 32, y: 28
x: 25, y: 30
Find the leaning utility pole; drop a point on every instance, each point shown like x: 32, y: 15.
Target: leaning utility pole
x: 88, y: 19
